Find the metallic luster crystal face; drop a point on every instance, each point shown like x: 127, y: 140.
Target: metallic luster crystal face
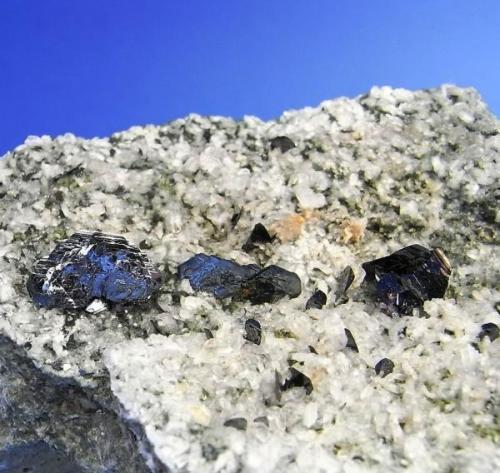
x: 408, y: 277
x: 224, y: 278
x: 92, y: 266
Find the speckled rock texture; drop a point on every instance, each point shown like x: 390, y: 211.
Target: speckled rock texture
x: 175, y: 384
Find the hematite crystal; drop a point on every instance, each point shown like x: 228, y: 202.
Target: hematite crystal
x: 489, y: 330
x: 384, y: 367
x: 259, y: 235
x: 253, y: 331
x: 351, y: 343
x: 298, y: 380
x: 344, y: 282
x: 317, y: 300
x: 92, y: 266
x: 408, y: 277
x: 224, y: 278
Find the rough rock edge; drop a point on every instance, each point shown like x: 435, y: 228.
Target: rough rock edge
x: 62, y: 413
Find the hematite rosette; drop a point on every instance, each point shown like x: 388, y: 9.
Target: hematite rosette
x: 91, y: 266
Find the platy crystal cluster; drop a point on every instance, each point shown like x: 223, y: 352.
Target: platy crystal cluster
x: 408, y: 277
x: 92, y: 266
x: 225, y: 278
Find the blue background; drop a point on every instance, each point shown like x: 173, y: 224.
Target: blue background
x: 94, y: 67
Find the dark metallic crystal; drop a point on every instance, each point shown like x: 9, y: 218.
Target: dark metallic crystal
x: 408, y: 277
x: 316, y: 301
x: 344, y: 282
x: 92, y: 266
x: 489, y: 330
x: 298, y: 380
x: 238, y: 423
x: 351, y: 343
x: 253, y: 331
x: 224, y: 278
x: 384, y: 367
x: 259, y: 235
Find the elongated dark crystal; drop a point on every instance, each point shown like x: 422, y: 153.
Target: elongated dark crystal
x: 224, y: 278
x: 344, y: 282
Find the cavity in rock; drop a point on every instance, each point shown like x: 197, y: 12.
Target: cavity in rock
x: 283, y: 143
x: 408, y: 277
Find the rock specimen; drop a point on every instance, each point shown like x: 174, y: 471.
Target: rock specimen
x: 149, y: 387
x: 409, y: 277
x: 92, y: 266
x: 224, y: 278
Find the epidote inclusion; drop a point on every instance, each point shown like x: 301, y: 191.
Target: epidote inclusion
x: 94, y: 270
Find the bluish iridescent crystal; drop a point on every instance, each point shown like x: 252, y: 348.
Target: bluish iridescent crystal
x: 224, y: 278
x: 89, y: 266
x: 408, y: 277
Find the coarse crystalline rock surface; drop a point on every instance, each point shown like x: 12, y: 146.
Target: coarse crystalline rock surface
x: 92, y: 266
x: 185, y: 383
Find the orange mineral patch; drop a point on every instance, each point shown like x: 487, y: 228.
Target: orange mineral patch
x: 289, y: 228
x: 353, y: 230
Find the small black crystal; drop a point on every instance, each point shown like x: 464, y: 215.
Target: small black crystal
x: 259, y: 235
x: 384, y: 367
x: 344, y: 282
x: 351, y: 343
x: 253, y: 331
x: 283, y: 143
x: 235, y: 218
x: 297, y: 380
x: 92, y: 266
x: 224, y: 278
x: 408, y: 277
x: 317, y: 300
x: 262, y: 420
x: 208, y: 333
x: 489, y: 330
x: 238, y: 423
